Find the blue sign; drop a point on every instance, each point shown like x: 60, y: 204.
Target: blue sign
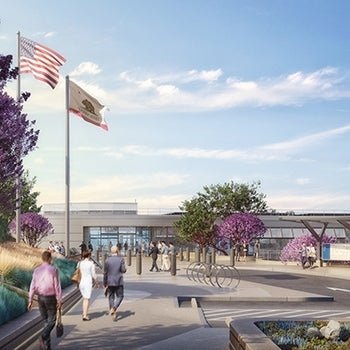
x: 326, y: 251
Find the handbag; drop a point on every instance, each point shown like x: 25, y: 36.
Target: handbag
x: 76, y: 277
x: 59, y: 324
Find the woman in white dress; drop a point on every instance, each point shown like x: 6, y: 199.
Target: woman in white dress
x: 88, y: 275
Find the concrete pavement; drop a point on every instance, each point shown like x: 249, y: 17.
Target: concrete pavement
x: 150, y: 316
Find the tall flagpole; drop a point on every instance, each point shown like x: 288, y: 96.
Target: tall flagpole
x: 67, y: 171
x: 18, y: 179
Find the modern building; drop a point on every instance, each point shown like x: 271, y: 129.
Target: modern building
x: 104, y: 224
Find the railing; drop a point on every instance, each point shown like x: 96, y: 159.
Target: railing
x: 213, y: 274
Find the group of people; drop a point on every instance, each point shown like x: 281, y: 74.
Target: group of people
x: 46, y: 285
x: 85, y: 247
x: 57, y: 247
x: 165, y: 251
x: 307, y: 255
x: 241, y: 250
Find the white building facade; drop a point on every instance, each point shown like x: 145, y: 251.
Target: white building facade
x: 121, y: 224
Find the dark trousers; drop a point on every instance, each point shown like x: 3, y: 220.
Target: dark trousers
x: 303, y: 261
x: 115, y: 296
x: 48, y: 312
x: 154, y: 264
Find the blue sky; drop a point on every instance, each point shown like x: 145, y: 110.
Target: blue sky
x: 199, y: 93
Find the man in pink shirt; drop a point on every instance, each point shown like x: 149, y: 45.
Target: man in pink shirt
x: 46, y: 284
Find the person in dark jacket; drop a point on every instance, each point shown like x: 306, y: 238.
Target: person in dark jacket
x: 113, y: 271
x: 154, y: 251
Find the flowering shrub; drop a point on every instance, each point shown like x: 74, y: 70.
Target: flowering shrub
x: 33, y: 226
x: 291, y: 252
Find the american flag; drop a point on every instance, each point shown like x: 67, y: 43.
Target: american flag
x: 41, y: 61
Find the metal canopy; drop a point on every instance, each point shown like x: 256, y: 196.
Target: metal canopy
x: 324, y: 220
x: 342, y: 220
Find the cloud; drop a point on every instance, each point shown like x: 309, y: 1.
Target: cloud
x: 204, y: 75
x: 93, y: 149
x: 86, y: 68
x: 293, y: 89
x: 194, y: 91
x: 325, y: 202
x: 281, y: 151
x: 115, y: 188
x: 49, y: 34
x: 303, y: 181
x: 305, y: 141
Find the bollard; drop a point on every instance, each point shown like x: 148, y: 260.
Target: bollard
x: 208, y: 258
x: 97, y: 255
x: 213, y: 257
x: 128, y: 257
x: 181, y: 252
x: 188, y: 253
x: 173, y: 264
x: 204, y: 254
x: 232, y: 256
x: 196, y: 255
x: 138, y: 263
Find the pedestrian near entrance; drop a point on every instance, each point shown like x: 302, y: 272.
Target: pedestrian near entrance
x: 88, y: 276
x: 256, y: 249
x: 46, y: 284
x: 303, y: 255
x: 154, y: 251
x: 165, y: 257
x: 83, y: 248
x: 113, y: 271
x: 311, y: 254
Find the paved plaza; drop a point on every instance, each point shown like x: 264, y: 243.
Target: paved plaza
x: 150, y: 316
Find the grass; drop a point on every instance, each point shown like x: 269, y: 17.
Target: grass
x: 17, y: 262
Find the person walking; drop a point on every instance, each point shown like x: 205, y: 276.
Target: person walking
x: 303, y: 255
x: 88, y: 276
x: 165, y: 257
x: 245, y: 250
x: 46, y: 284
x: 238, y: 248
x: 83, y: 248
x: 113, y: 270
x: 154, y: 251
x: 256, y: 249
x: 311, y: 254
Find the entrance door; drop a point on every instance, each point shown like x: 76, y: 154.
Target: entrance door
x: 127, y: 241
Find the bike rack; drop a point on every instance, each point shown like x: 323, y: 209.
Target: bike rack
x: 216, y: 275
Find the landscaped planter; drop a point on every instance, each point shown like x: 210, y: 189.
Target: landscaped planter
x: 246, y: 335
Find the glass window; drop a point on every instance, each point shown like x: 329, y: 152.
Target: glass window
x: 276, y: 232
x: 298, y: 232
x: 267, y: 233
x: 330, y: 232
x: 287, y: 233
x: 340, y: 233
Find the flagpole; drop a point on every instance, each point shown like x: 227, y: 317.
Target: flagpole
x: 18, y: 179
x: 67, y: 216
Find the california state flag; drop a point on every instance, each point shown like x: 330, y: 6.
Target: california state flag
x: 85, y: 106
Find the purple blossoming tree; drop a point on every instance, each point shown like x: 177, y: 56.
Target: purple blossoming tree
x: 291, y: 252
x: 242, y: 227
x: 17, y: 137
x: 33, y: 226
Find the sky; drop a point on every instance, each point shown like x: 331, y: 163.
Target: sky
x: 198, y: 93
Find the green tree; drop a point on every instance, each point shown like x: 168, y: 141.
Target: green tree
x: 28, y: 203
x: 204, y: 211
